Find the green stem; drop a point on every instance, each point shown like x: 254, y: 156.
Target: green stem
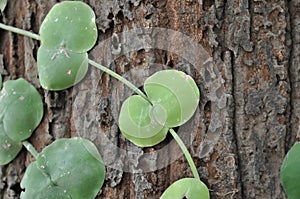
x: 20, y: 31
x: 186, y: 154
x: 99, y: 66
x: 30, y: 148
x: 120, y: 78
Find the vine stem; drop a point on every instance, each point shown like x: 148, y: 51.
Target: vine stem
x: 20, y: 31
x: 97, y: 65
x: 186, y: 153
x: 33, y: 151
x: 120, y: 78
x: 30, y: 148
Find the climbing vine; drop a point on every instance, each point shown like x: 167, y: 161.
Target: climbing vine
x: 73, y: 167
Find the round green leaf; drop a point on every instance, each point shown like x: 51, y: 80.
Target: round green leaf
x: 290, y: 172
x: 176, y: 92
x: 68, y: 168
x: 21, y: 111
x: 69, y: 25
x: 137, y: 123
x: 190, y: 188
x: 60, y: 69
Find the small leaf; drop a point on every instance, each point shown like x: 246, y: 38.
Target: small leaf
x: 21, y: 111
x: 60, y: 69
x: 3, y: 5
x: 176, y: 92
x: 137, y: 123
x: 290, y: 172
x: 67, y: 168
x: 190, y: 188
x: 69, y: 25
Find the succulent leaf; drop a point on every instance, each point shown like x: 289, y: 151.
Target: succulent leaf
x: 21, y: 111
x: 176, y: 92
x: 67, y: 168
x: 69, y: 25
x: 137, y: 123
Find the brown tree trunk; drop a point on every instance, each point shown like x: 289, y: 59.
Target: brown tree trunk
x: 249, y: 112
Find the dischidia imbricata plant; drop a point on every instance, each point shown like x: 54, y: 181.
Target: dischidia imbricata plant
x: 66, y: 34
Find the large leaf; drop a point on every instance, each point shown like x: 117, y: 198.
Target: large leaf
x: 60, y: 69
x: 290, y: 172
x: 68, y: 168
x: 190, y: 188
x: 69, y: 25
x: 21, y: 110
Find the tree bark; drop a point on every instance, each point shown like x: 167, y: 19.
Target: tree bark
x: 248, y: 115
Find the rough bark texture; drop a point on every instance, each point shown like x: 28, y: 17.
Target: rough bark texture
x: 248, y: 116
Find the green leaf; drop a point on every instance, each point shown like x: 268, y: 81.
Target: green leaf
x: 69, y: 25
x: 290, y: 172
x: 21, y: 111
x: 174, y: 97
x: 3, y: 5
x: 60, y: 69
x: 36, y: 179
x: 137, y: 123
x: 190, y: 188
x: 174, y: 91
x: 54, y: 192
x: 67, y: 168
